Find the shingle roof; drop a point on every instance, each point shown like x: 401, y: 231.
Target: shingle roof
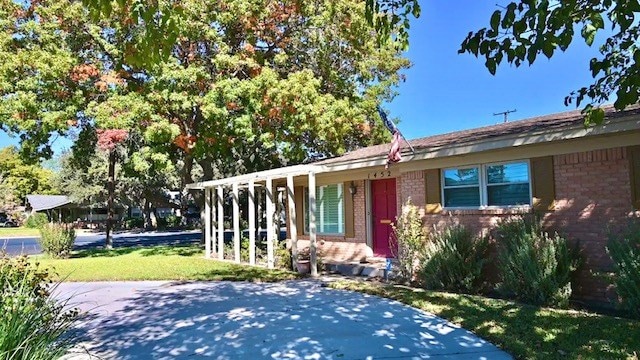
x: 546, y: 122
x: 47, y: 202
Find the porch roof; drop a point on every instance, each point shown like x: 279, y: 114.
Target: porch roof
x: 47, y: 202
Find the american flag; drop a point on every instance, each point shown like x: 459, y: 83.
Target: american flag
x: 394, y: 155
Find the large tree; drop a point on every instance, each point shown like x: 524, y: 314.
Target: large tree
x: 19, y: 179
x: 246, y: 85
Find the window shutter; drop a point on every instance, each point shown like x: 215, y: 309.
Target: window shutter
x: 543, y: 183
x: 633, y: 152
x: 432, y: 191
x: 349, y: 226
x: 298, y: 194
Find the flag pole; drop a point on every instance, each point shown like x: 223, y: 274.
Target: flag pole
x: 391, y: 126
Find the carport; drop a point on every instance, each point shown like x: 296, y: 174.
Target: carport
x: 266, y: 181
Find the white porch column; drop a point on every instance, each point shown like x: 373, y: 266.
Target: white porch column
x: 270, y: 227
x: 220, y: 222
x: 236, y: 223
x: 312, y: 224
x: 207, y: 223
x: 292, y: 221
x: 252, y: 223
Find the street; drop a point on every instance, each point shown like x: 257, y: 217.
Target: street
x: 30, y: 246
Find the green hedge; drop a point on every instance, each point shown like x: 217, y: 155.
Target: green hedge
x: 36, y: 220
x: 534, y: 266
x: 453, y: 259
x: 624, y: 250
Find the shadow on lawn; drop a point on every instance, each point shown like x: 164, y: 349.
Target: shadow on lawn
x: 283, y: 320
x: 233, y: 272
x: 528, y: 331
x: 178, y: 249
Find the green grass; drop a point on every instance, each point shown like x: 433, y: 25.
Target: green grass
x: 524, y: 331
x: 18, y: 231
x: 154, y: 263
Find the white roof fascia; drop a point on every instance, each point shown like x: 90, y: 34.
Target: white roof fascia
x: 537, y: 137
x: 258, y: 176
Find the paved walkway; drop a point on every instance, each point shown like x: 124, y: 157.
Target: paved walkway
x: 290, y: 320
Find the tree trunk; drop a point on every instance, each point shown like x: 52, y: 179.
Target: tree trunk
x: 111, y: 189
x: 146, y: 214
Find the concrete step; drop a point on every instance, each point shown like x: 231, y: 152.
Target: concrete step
x: 370, y: 270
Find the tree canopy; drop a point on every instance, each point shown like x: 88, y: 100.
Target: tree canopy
x: 19, y: 179
x: 279, y: 83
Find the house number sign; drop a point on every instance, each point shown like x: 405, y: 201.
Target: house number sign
x: 380, y: 174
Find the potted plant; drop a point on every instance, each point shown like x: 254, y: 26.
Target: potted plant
x: 304, y: 261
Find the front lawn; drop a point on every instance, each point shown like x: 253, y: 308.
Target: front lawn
x: 18, y: 231
x: 154, y: 263
x: 524, y: 331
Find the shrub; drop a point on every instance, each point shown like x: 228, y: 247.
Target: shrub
x: 134, y: 223
x: 36, y: 220
x: 624, y: 250
x: 283, y: 258
x: 57, y: 240
x: 173, y: 221
x: 408, y: 241
x: 535, y: 267
x: 33, y: 324
x: 453, y: 259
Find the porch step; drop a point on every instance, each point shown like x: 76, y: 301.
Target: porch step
x: 369, y: 270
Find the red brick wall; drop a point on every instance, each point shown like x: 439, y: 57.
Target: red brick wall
x: 411, y: 185
x: 593, y: 192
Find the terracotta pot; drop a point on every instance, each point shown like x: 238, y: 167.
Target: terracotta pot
x: 304, y: 266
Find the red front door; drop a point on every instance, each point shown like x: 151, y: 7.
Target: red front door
x: 384, y: 209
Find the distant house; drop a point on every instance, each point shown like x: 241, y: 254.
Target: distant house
x: 578, y: 179
x: 62, y: 208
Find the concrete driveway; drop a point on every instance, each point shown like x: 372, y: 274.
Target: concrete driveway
x: 290, y: 320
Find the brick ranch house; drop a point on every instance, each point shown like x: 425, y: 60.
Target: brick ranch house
x: 580, y: 180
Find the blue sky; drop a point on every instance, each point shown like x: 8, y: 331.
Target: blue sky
x: 446, y: 91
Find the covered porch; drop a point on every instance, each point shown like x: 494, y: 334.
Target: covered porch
x: 275, y: 187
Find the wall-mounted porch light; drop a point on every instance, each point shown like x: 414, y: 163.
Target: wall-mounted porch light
x: 353, y: 189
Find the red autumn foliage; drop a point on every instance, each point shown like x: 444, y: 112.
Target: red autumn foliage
x: 185, y: 142
x: 108, y: 139
x: 84, y: 72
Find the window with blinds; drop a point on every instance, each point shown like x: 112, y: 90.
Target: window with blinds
x: 504, y: 184
x: 329, y: 209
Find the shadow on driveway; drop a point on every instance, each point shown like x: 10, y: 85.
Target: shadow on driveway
x: 225, y: 320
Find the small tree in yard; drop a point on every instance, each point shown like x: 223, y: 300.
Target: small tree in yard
x: 409, y: 235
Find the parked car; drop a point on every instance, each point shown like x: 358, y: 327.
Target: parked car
x: 6, y: 222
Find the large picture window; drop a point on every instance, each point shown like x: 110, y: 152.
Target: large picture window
x: 503, y: 184
x: 329, y: 209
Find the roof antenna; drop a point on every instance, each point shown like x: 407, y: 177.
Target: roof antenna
x: 505, y: 113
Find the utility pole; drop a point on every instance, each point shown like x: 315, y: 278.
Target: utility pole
x: 505, y: 113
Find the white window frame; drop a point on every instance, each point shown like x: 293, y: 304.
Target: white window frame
x: 483, y: 183
x: 320, y: 218
x: 480, y: 197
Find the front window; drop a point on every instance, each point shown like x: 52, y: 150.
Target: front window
x: 508, y: 184
x: 329, y: 209
x: 462, y: 187
x: 505, y: 184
